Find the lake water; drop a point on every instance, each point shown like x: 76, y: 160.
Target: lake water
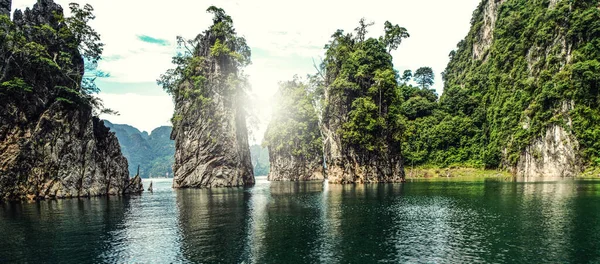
x: 448, y: 221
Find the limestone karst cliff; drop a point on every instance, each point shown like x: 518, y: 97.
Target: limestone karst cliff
x: 293, y: 137
x: 209, y: 124
x: 361, y: 123
x: 51, y: 145
x: 526, y: 80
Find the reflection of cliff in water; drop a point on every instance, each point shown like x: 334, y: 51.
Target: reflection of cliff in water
x: 549, y: 214
x: 52, y: 230
x: 489, y: 220
x: 361, y: 221
x: 213, y: 224
x: 294, y: 222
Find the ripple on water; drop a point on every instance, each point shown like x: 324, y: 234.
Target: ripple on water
x: 439, y: 221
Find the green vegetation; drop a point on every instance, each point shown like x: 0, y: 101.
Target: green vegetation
x: 450, y: 172
x: 541, y: 68
x: 294, y: 128
x: 31, y: 53
x: 424, y: 77
x: 196, y: 60
x: 154, y: 153
x: 359, y: 73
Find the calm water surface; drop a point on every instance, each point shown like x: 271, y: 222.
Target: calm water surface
x: 448, y: 221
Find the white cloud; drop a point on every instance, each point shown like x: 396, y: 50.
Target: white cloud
x: 292, y: 33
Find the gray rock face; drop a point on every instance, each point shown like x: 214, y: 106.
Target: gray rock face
x: 555, y: 154
x: 5, y: 6
x: 486, y: 33
x: 287, y: 167
x: 211, y: 149
x: 211, y: 139
x: 345, y: 164
x: 52, y: 149
x: 348, y: 166
x: 135, y: 185
x: 64, y: 154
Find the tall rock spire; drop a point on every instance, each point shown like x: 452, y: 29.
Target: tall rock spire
x: 209, y: 125
x: 5, y: 6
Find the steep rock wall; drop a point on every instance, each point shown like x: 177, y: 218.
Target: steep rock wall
x: 360, y: 127
x: 346, y: 163
x: 211, y: 146
x: 50, y: 148
x: 554, y: 155
x: 486, y: 33
x: 511, y: 77
x: 287, y: 167
x: 293, y: 137
x: 211, y: 136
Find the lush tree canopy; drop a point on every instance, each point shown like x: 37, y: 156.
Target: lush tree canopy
x: 294, y: 128
x: 496, y: 103
x: 406, y: 76
x: 195, y: 64
x: 424, y: 77
x: 360, y: 71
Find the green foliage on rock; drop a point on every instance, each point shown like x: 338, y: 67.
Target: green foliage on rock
x: 32, y: 52
x: 540, y: 69
x: 190, y: 77
x: 294, y: 127
x: 360, y: 74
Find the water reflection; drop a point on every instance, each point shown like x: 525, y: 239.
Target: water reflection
x: 51, y: 231
x: 213, y: 224
x: 483, y: 220
x: 260, y: 196
x: 149, y: 231
x: 294, y: 212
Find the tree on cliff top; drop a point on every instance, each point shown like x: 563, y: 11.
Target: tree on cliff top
x: 294, y: 127
x: 361, y: 72
x: 394, y: 35
x: 58, y: 47
x: 87, y: 38
x: 424, y: 77
x: 220, y: 47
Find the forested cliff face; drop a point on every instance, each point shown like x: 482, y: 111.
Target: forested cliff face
x: 209, y: 124
x: 51, y: 144
x: 521, y: 91
x: 362, y: 123
x: 293, y: 136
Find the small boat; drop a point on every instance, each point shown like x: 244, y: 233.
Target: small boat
x: 150, y: 187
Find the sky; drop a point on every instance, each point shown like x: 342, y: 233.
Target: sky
x: 285, y: 38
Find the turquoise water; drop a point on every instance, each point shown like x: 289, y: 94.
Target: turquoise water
x: 446, y: 221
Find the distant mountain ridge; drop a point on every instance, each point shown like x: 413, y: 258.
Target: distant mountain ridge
x: 155, y: 152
